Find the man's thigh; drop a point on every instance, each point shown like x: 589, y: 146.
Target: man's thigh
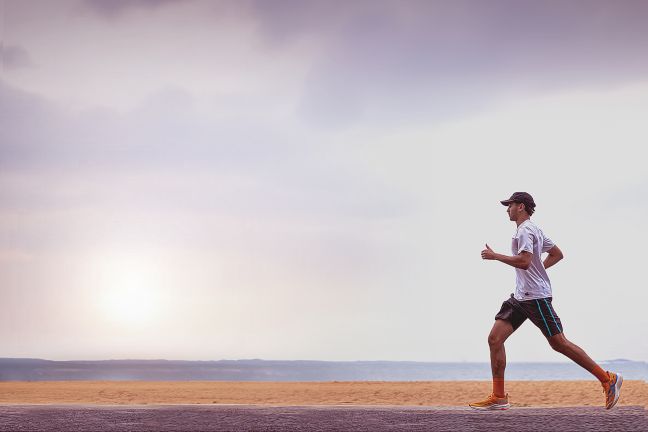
x: 543, y: 315
x: 501, y: 330
x: 511, y: 312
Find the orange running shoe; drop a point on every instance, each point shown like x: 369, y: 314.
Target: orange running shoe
x: 492, y: 402
x: 612, y: 389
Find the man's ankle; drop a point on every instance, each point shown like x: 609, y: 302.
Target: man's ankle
x: 498, y: 387
x: 601, y: 374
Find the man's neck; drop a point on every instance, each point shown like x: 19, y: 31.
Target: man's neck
x: 521, y: 219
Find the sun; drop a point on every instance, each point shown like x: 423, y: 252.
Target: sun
x: 128, y: 290
x: 130, y: 300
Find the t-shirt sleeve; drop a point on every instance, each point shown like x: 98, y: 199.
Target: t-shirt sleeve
x: 547, y: 244
x: 525, y: 241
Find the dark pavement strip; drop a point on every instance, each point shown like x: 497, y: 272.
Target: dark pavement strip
x: 315, y: 418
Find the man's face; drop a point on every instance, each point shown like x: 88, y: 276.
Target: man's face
x: 514, y: 210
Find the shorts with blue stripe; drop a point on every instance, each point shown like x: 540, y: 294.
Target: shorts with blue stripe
x: 539, y: 311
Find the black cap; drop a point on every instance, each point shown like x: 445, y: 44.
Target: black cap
x: 520, y: 198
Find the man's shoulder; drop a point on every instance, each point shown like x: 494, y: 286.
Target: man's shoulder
x: 535, y: 228
x: 527, y: 227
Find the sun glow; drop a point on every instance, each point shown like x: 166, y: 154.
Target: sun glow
x: 130, y: 299
x: 129, y: 290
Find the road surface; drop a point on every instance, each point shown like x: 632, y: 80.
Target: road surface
x: 315, y: 418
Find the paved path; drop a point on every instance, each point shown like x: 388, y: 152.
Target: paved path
x: 315, y: 418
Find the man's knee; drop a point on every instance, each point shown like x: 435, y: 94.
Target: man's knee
x: 499, y: 333
x: 496, y: 339
x: 558, y: 342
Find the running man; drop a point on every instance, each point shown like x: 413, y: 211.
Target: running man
x: 532, y: 300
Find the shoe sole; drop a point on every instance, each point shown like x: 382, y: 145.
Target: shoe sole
x: 617, y: 391
x: 498, y: 407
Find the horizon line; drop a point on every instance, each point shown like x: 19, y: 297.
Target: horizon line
x: 619, y: 360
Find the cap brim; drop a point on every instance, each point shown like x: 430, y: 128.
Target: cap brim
x: 507, y: 202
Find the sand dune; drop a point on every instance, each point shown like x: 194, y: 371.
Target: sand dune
x: 427, y: 393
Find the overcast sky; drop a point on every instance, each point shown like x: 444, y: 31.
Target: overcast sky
x: 315, y: 180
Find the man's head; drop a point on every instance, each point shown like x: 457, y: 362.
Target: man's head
x: 519, y: 202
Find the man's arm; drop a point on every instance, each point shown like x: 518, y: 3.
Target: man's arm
x: 554, y: 256
x: 521, y: 261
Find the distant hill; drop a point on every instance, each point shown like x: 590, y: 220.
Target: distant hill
x: 21, y: 369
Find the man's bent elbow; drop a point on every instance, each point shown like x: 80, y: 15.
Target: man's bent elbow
x: 525, y: 260
x: 524, y: 265
x: 556, y: 252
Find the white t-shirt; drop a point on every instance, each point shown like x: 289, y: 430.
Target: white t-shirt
x: 532, y: 283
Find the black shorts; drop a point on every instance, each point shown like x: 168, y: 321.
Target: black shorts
x: 540, y: 312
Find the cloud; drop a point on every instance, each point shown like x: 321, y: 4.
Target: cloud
x: 14, y: 57
x: 403, y: 61
x: 116, y: 8
x: 10, y: 256
x: 20, y: 142
x: 237, y: 165
x: 361, y: 62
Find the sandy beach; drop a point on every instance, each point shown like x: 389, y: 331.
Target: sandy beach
x: 422, y: 393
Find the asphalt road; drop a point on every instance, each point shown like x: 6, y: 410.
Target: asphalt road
x: 315, y: 418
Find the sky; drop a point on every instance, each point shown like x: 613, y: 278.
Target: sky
x: 208, y: 180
